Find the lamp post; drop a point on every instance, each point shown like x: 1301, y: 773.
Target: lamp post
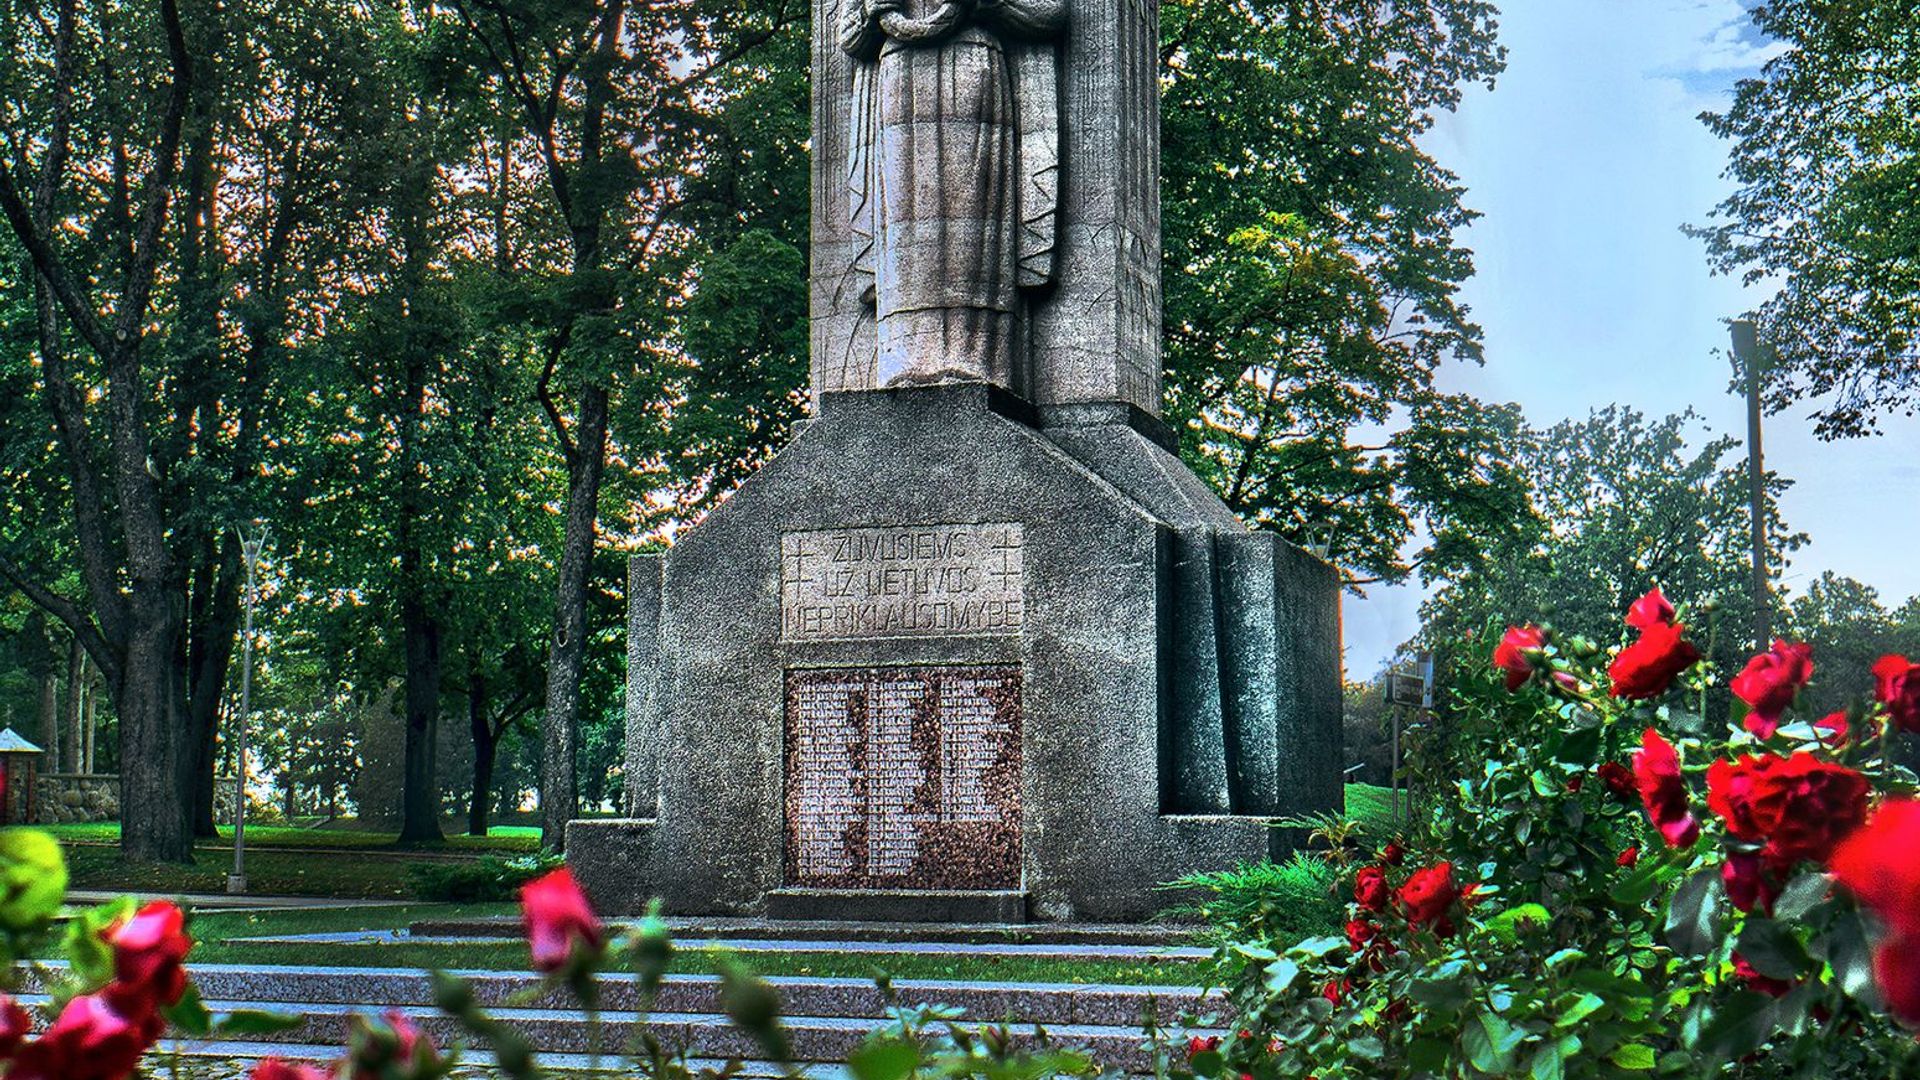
x: 253, y: 541
x: 1751, y: 355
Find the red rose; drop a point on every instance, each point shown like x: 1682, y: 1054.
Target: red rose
x: 1336, y: 990
x: 15, y: 1025
x: 1628, y: 858
x: 1199, y: 1045
x: 1428, y: 895
x: 1663, y: 791
x: 275, y: 1069
x: 1899, y: 690
x: 91, y: 1040
x: 558, y: 920
x: 1650, y: 611
x: 1755, y: 981
x: 148, y: 951
x: 1370, y: 888
x: 1801, y: 806
x: 1770, y: 682
x: 1880, y: 864
x: 1359, y: 932
x: 1619, y: 781
x: 1647, y: 667
x: 1510, y: 655
x: 1896, y: 967
x: 1393, y: 854
x: 1751, y: 881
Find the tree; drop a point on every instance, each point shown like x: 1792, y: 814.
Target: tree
x: 1619, y: 503
x: 98, y: 296
x: 589, y: 81
x: 1311, y: 271
x: 1826, y: 158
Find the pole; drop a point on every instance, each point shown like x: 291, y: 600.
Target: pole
x: 1746, y: 348
x: 250, y: 548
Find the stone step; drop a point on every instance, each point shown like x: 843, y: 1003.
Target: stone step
x: 1027, y: 1003
x: 852, y: 930
x: 841, y: 906
x: 814, y: 1039
x: 238, y: 1056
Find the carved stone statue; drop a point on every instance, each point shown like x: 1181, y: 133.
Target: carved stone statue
x: 953, y: 177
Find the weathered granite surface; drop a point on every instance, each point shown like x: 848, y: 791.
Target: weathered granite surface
x: 1180, y: 674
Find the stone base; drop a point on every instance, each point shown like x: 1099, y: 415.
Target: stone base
x: 612, y: 859
x: 948, y: 641
x: 898, y: 905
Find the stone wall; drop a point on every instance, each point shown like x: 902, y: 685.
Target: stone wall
x: 63, y: 799
x: 66, y: 798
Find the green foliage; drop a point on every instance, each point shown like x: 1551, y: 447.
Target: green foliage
x: 1278, y: 900
x: 1312, y: 269
x: 1825, y: 156
x: 1615, y: 501
x: 489, y: 877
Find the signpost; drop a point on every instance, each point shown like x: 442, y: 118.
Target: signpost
x: 251, y: 547
x: 1407, y: 690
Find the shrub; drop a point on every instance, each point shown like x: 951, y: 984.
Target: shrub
x: 1573, y: 908
x: 487, y: 878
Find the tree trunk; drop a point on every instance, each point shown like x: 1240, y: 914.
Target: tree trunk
x: 215, y: 628
x: 70, y: 708
x: 420, y: 799
x: 485, y: 747
x: 567, y: 658
x: 155, y: 756
x: 90, y: 724
x: 50, y: 717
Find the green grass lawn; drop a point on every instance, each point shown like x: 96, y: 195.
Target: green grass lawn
x: 512, y: 839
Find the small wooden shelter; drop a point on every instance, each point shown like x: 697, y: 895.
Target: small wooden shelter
x: 19, y: 776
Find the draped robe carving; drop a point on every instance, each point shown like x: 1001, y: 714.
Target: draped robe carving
x: 953, y: 178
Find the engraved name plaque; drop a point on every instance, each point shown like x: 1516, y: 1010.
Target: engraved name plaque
x: 911, y: 581
x: 903, y: 778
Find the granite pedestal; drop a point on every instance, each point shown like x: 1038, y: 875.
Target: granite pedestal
x: 950, y: 644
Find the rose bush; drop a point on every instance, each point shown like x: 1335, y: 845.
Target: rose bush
x: 1613, y: 889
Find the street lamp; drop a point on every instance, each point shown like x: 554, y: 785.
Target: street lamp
x: 1752, y: 357
x: 253, y: 541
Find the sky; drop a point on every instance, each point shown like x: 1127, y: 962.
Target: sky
x: 1586, y: 159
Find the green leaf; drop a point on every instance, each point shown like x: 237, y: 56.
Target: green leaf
x: 1584, y: 1006
x: 1737, y: 1026
x: 1490, y: 1042
x: 1281, y: 974
x: 33, y: 875
x: 1801, y: 895
x: 1693, y: 915
x: 1637, y: 1057
x: 885, y: 1059
x: 1580, y: 747
x: 1851, y: 958
x: 1429, y: 1056
x: 1507, y: 925
x: 1547, y: 1063
x: 1638, y: 887
x: 243, y: 1022
x: 1772, y: 948
x: 1367, y: 1048
x: 1314, y: 948
x: 190, y: 1014
x: 1207, y: 1063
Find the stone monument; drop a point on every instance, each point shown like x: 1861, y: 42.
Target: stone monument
x: 976, y: 645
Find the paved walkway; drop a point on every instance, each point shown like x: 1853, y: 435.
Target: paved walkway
x: 1044, y: 950
x: 232, y: 902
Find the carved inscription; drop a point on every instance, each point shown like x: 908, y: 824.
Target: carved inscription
x: 903, y: 778
x: 911, y: 581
